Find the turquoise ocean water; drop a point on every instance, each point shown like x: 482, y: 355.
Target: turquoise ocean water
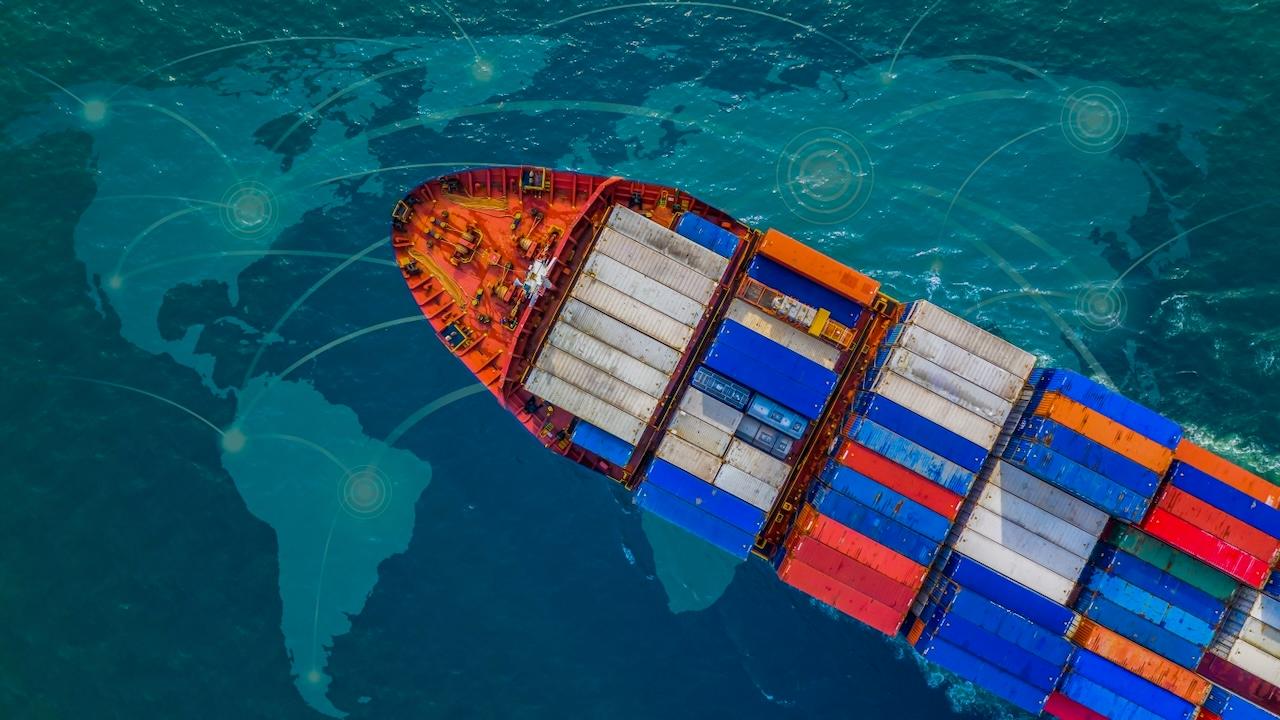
x: 242, y: 478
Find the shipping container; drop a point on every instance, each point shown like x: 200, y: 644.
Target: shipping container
x: 719, y: 240
x: 1133, y: 415
x: 710, y: 410
x: 619, y: 305
x: 1026, y: 666
x: 1177, y: 563
x: 588, y: 407
x: 643, y: 289
x: 693, y: 491
x: 955, y: 601
x: 776, y: 277
x: 688, y: 457
x: 776, y: 415
x: 1256, y: 487
x: 885, y: 501
x: 899, y: 568
x: 1128, y: 685
x: 948, y: 385
x: 953, y: 358
x: 1076, y: 479
x: 936, y: 408
x: 1204, y: 546
x: 1229, y: 706
x: 841, y: 567
x: 1009, y: 563
x: 868, y: 522
x: 1140, y: 630
x: 650, y: 263
x: 767, y: 469
x: 911, y: 455
x: 610, y: 447
x: 784, y: 333
x: 973, y: 575
x: 1141, y: 661
x: 922, y: 430
x: 615, y: 333
x: 970, y: 337
x: 1202, y: 605
x: 1104, y: 431
x: 747, y: 487
x: 638, y: 227
x: 1064, y: 708
x: 1103, y: 701
x: 700, y: 433
x: 765, y: 366
x: 1239, y: 505
x: 1266, y: 609
x: 1081, y: 450
x: 608, y: 359
x: 596, y: 382
x: 810, y: 263
x: 847, y: 600
x: 990, y: 676
x: 1013, y: 509
x: 896, y: 477
x: 1253, y: 660
x: 696, y: 521
x: 1250, y: 687
x: 765, y: 438
x: 1218, y: 523
x: 1150, y: 607
x: 1261, y: 635
x: 1048, y: 498
x: 1025, y: 542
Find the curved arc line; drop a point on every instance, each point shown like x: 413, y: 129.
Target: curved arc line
x: 906, y: 37
x: 307, y: 443
x: 149, y: 394
x: 128, y: 248
x: 1186, y: 232
x: 425, y: 411
x: 981, y: 165
x: 190, y: 126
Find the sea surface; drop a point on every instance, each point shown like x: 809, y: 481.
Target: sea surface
x: 242, y: 479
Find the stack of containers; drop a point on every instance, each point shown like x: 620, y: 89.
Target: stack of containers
x: 1246, y: 654
x: 1095, y: 687
x: 1226, y: 705
x: 1225, y: 515
x: 993, y: 631
x: 707, y: 234
x: 1094, y: 443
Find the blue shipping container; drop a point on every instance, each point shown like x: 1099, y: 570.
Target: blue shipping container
x: 1226, y: 498
x: 1152, y: 579
x: 1151, y: 608
x: 911, y: 456
x: 1018, y: 662
x: 611, y: 448
x: 739, y: 513
x: 762, y: 364
x: 771, y: 274
x: 887, y: 502
x: 1132, y: 415
x: 1081, y: 450
x: 922, y: 431
x: 1103, y: 701
x: 1230, y: 706
x: 707, y: 234
x: 1145, y: 633
x: 1272, y: 587
x: 1102, y: 493
x: 973, y: 575
x: 992, y: 617
x: 701, y: 524
x: 985, y: 674
x: 884, y: 530
x: 1131, y: 686
x: 721, y: 388
x: 778, y: 416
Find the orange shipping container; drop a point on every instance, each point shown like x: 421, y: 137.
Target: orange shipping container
x: 1237, y: 477
x: 854, y: 545
x: 1233, y: 531
x: 819, y: 268
x: 1141, y: 661
x: 1105, y: 431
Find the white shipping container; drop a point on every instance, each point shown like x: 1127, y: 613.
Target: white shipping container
x: 1251, y: 659
x: 972, y: 338
x: 1014, y: 566
x: 710, y: 410
x: 979, y: 371
x: 1079, y: 513
x: 634, y: 313
x: 699, y: 432
x: 679, y: 307
x: 667, y: 242
x: 595, y: 382
x: 930, y: 405
x: 1266, y: 609
x: 589, y: 408
x: 1025, y: 543
x: 784, y: 333
x: 1041, y: 522
x: 756, y: 463
x: 746, y: 487
x: 1260, y: 635
x: 933, y: 377
x: 651, y: 263
x: 688, y: 457
x: 651, y: 381
x: 615, y: 333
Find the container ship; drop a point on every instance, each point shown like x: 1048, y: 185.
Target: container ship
x: 1027, y: 528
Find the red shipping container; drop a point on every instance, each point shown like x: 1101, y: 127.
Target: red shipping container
x: 1203, y: 546
x: 840, y: 596
x: 1218, y: 523
x: 1061, y: 706
x: 897, y: 567
x: 1206, y: 715
x: 1246, y: 685
x: 839, y: 566
x: 899, y: 479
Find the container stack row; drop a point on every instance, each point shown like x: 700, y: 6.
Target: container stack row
x: 766, y: 376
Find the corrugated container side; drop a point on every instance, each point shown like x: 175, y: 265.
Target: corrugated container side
x: 773, y: 275
x: 596, y: 382
x: 1026, y: 666
x: 642, y: 288
x: 1025, y: 542
x: 840, y: 596
x: 971, y: 337
x: 1008, y: 593
x: 1128, y: 685
x: 620, y: 306
x: 1012, y: 565
x: 1250, y: 687
x: 588, y: 407
x: 766, y: 438
x: 895, y: 477
x: 666, y: 270
x: 1015, y: 510
x: 1064, y: 708
x: 1230, y: 500
x: 952, y: 357
x: 695, y: 492
x: 817, y: 267
x: 638, y: 227
x: 923, y: 431
x: 1005, y: 624
x: 700, y: 433
x: 778, y: 416
x: 983, y: 673
x: 1142, y: 631
x: 615, y: 333
x: 928, y: 404
x: 1159, y: 583
x: 1229, y: 706
x: 1143, y: 662
x: 721, y: 388
x: 948, y: 385
x: 1104, y: 431
x: 1078, y: 480
x: 1103, y: 701
x: 710, y: 410
x: 1218, y: 523
x: 783, y: 333
x: 1089, y: 453
x: 767, y: 469
x: 911, y: 455
x: 1079, y: 513
x: 701, y: 524
x: 1177, y: 563
x: 1204, y: 546
x: 1224, y: 470
x: 841, y: 567
x: 1133, y: 415
x: 609, y: 360
x: 1266, y: 609
x: 610, y: 447
x: 1254, y: 660
x: 1261, y: 635
x: 767, y: 367
x: 1151, y: 608
x: 884, y: 530
x: 688, y: 457
x: 859, y: 547
x: 707, y: 234
x: 745, y: 486
x: 887, y: 502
